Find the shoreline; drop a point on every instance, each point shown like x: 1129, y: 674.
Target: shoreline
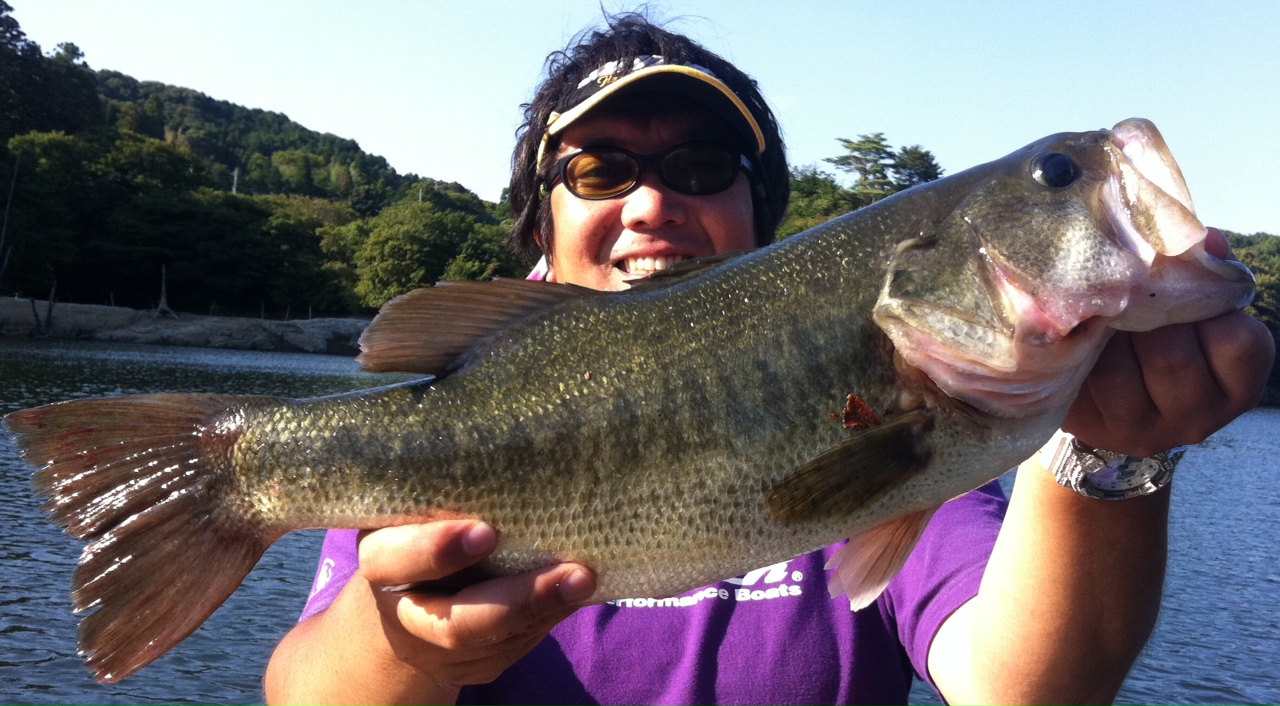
x: 94, y: 322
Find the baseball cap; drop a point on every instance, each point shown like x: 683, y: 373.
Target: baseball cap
x: 691, y: 81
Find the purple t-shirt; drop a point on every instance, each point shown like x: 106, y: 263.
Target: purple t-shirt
x: 771, y: 636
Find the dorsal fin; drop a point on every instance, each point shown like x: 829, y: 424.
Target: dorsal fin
x: 427, y: 330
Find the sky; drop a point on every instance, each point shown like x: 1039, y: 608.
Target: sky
x: 435, y: 87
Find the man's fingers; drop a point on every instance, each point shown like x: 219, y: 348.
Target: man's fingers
x: 1241, y: 354
x: 1175, y: 371
x: 499, y: 610
x: 408, y: 554
x: 1173, y: 386
x: 1112, y: 396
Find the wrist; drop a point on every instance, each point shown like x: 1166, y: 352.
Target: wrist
x: 1106, y: 475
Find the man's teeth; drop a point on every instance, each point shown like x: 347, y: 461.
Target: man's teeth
x: 647, y: 265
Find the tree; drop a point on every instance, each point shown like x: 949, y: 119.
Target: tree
x: 912, y: 166
x: 870, y: 158
x: 484, y: 255
x: 409, y: 246
x: 816, y: 197
x: 42, y: 93
x: 143, y: 163
x: 54, y: 204
x: 19, y: 59
x: 880, y: 170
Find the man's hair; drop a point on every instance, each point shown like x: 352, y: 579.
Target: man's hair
x: 626, y: 37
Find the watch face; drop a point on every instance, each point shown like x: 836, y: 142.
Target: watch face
x: 1124, y: 476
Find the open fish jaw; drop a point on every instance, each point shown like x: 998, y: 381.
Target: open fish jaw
x: 1151, y: 210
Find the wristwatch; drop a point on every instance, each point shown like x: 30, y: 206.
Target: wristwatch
x: 1107, y: 475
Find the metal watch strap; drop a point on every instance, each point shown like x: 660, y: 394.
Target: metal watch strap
x: 1107, y: 475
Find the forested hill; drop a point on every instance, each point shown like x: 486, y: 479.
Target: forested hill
x: 272, y: 153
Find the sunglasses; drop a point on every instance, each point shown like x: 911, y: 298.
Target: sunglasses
x: 692, y: 168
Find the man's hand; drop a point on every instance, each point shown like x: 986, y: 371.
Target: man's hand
x: 1156, y: 390
x: 473, y: 636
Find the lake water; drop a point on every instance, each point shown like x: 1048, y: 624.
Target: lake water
x: 1218, y: 639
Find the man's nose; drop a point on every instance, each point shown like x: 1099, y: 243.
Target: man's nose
x: 653, y: 205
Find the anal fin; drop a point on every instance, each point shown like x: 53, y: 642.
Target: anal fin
x: 866, y: 565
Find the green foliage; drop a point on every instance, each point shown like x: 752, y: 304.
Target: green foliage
x: 42, y: 93
x: 913, y: 165
x: 53, y: 210
x: 316, y: 212
x: 869, y: 157
x: 409, y: 246
x: 245, y: 209
x: 485, y: 255
x: 816, y: 197
x: 448, y: 196
x: 142, y: 164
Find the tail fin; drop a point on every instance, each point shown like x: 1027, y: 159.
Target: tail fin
x: 143, y: 477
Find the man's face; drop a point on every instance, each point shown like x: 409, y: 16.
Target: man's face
x: 602, y: 244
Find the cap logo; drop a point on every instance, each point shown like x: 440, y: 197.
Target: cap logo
x: 608, y: 72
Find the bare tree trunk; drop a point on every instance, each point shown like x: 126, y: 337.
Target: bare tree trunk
x: 35, y: 314
x: 44, y: 328
x: 162, y: 309
x: 4, y: 225
x: 48, y: 310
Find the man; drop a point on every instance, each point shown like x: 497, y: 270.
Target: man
x: 642, y: 149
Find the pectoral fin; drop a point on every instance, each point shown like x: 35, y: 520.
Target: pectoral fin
x: 854, y: 473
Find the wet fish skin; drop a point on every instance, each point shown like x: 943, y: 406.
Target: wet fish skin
x: 671, y: 436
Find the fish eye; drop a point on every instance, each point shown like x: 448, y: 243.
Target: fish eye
x: 1054, y: 169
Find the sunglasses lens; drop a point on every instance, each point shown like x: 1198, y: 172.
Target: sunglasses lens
x: 599, y: 174
x: 700, y: 169
x: 696, y: 169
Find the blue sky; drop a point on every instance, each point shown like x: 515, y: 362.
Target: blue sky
x: 435, y: 87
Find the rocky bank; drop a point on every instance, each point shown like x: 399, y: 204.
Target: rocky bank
x: 109, y: 323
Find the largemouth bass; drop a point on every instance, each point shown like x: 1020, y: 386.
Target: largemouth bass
x: 724, y: 416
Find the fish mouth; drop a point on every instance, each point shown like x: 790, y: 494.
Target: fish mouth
x: 1189, y: 274
x: 1146, y: 197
